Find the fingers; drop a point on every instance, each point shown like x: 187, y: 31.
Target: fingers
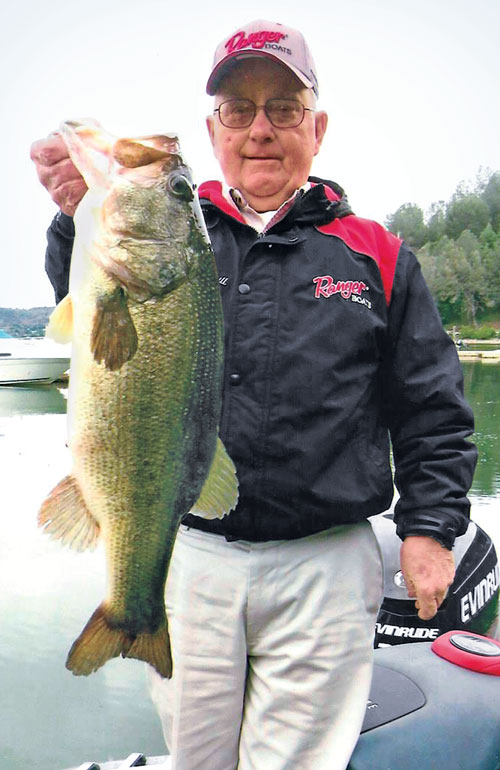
x: 69, y: 194
x: 57, y: 172
x: 46, y: 152
x: 428, y: 606
x: 428, y: 569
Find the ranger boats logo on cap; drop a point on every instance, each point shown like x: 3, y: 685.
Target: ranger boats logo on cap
x: 268, y: 39
x: 256, y: 40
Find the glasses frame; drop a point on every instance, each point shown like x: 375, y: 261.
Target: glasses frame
x: 265, y: 108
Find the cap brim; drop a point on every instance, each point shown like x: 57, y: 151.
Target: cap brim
x: 225, y: 65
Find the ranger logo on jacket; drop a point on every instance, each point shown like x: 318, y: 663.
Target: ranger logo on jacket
x: 326, y: 286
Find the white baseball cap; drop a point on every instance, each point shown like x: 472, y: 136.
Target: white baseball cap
x: 266, y: 39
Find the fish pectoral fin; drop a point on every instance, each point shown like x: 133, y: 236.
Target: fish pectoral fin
x: 102, y: 639
x: 64, y: 516
x: 219, y: 494
x: 114, y: 338
x: 60, y: 326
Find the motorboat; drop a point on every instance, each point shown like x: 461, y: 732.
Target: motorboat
x: 432, y: 705
x: 32, y: 360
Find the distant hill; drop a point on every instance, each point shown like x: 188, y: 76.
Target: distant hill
x: 20, y: 322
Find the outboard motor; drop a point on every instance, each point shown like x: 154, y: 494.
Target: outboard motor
x: 472, y: 603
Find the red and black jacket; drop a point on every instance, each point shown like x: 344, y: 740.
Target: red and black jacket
x: 333, y: 349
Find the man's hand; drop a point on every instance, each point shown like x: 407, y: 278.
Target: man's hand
x: 57, y: 173
x: 428, y: 569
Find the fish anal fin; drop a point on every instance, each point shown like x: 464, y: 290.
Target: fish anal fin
x: 60, y: 325
x: 114, y: 338
x: 219, y: 494
x: 102, y: 639
x: 64, y: 516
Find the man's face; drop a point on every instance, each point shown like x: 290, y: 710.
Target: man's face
x: 265, y: 163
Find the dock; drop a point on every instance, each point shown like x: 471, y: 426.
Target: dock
x: 484, y: 356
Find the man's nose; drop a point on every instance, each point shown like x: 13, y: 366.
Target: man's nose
x: 261, y: 125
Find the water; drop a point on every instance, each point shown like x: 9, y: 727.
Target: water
x: 50, y: 719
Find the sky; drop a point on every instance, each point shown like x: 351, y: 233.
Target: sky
x: 411, y: 90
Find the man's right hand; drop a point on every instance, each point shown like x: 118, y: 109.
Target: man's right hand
x: 57, y: 173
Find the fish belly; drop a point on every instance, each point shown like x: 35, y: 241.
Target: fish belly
x: 142, y: 441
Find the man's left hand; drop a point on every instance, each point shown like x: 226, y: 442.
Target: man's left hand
x: 428, y: 569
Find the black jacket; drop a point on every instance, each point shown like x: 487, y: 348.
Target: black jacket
x: 333, y: 346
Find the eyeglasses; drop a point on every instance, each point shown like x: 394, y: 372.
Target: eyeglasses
x: 282, y: 113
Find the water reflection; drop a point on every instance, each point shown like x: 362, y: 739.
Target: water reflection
x: 482, y: 388
x: 32, y: 399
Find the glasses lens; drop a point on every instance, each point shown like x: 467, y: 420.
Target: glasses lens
x: 284, y: 113
x: 237, y: 113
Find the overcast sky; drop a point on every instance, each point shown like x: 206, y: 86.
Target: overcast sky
x: 411, y: 90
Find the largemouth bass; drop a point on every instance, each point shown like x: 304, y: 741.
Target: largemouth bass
x: 145, y: 318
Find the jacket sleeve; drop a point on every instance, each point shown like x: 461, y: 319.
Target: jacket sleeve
x: 60, y: 237
x: 428, y: 417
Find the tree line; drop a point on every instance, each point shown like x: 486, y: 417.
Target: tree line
x: 458, y: 247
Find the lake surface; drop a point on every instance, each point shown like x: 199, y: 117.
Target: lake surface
x: 50, y: 719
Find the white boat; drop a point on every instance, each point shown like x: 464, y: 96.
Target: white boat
x: 32, y: 360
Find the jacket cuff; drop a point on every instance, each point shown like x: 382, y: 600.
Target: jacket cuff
x: 441, y: 526
x: 64, y: 224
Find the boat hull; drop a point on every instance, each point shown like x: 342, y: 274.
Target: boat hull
x: 16, y: 371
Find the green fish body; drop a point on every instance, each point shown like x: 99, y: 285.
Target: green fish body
x: 145, y: 385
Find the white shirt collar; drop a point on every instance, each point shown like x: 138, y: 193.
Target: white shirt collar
x: 256, y: 219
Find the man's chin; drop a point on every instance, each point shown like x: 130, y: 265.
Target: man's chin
x: 262, y: 195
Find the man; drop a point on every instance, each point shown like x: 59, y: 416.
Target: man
x: 332, y: 344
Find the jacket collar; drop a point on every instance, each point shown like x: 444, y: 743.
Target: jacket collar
x: 323, y: 203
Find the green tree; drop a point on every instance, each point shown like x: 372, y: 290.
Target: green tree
x: 467, y: 212
x: 408, y: 223
x: 436, y: 221
x: 489, y: 242
x: 432, y: 258
x: 464, y: 280
x: 491, y: 196
x: 489, y: 238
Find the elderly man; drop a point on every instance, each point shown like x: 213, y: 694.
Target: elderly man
x: 332, y: 345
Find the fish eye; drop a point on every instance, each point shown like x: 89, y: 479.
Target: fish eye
x: 180, y: 186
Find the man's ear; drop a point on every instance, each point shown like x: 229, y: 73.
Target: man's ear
x: 321, y: 122
x: 210, y: 127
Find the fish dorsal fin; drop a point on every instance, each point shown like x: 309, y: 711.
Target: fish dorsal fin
x: 65, y: 516
x: 219, y: 494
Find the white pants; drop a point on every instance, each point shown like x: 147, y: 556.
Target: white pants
x: 272, y: 650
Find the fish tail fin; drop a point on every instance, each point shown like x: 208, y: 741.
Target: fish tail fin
x: 64, y: 516
x: 98, y: 643
x: 60, y: 326
x: 154, y: 649
x: 102, y: 640
x: 219, y: 493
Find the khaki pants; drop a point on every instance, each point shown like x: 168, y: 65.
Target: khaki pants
x: 272, y: 650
